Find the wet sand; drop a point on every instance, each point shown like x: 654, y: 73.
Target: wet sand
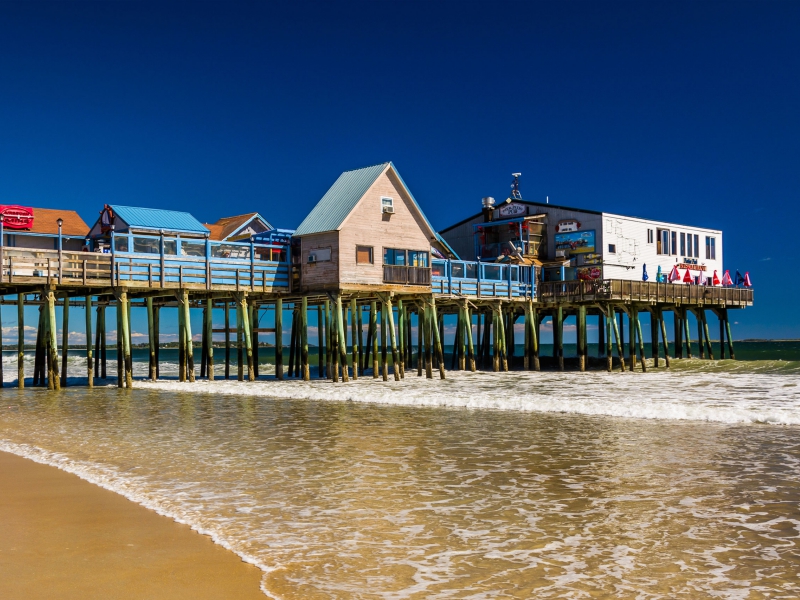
x: 61, y: 537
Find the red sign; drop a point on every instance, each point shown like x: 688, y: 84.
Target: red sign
x: 16, y: 217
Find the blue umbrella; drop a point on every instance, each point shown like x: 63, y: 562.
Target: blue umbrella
x: 739, y: 279
x: 659, y: 274
x: 645, y: 277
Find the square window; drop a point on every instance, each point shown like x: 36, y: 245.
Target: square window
x: 387, y: 203
x: 649, y: 236
x: 364, y: 255
x: 612, y: 248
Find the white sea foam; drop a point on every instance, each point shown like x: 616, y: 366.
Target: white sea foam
x: 713, y: 397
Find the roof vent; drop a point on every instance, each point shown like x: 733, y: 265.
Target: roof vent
x: 488, y: 202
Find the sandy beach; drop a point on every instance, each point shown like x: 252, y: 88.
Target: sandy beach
x: 61, y: 537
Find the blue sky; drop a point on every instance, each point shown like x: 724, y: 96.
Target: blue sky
x: 676, y: 111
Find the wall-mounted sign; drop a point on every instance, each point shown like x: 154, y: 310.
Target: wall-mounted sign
x: 576, y: 242
x: 588, y: 274
x: 692, y: 266
x: 592, y: 261
x: 513, y: 210
x: 567, y: 225
x: 689, y: 261
x: 16, y: 217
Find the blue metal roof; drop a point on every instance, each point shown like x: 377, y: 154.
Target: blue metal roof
x: 342, y: 197
x: 157, y: 219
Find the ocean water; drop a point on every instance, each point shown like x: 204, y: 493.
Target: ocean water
x: 671, y: 483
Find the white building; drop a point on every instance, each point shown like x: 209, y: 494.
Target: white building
x: 572, y: 243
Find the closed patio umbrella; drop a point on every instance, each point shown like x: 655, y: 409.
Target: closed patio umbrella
x: 644, y: 273
x: 747, y: 282
x: 715, y: 279
x: 674, y: 275
x: 687, y: 278
x: 726, y: 278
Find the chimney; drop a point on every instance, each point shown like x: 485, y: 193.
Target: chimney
x: 488, y: 209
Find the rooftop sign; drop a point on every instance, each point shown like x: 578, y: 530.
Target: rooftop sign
x: 16, y: 217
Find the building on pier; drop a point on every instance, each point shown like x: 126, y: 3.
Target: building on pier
x: 367, y: 232
x: 238, y: 228
x: 31, y: 227
x: 581, y: 244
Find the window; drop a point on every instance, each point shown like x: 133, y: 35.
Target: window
x: 696, y: 246
x: 364, y: 255
x: 394, y: 256
x: 711, y: 250
x: 121, y: 244
x: 662, y: 245
x: 612, y: 248
x: 649, y: 236
x: 417, y: 258
x: 387, y: 203
x: 674, y: 242
x: 146, y: 245
x: 688, y: 245
x: 319, y: 255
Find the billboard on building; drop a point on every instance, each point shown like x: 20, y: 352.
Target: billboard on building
x: 576, y: 242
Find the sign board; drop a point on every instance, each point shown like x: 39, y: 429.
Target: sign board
x: 576, y: 242
x: 692, y: 266
x: 16, y: 217
x: 567, y: 225
x: 513, y: 210
x: 589, y: 273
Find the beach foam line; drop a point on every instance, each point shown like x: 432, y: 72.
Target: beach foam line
x: 125, y: 485
x: 740, y: 398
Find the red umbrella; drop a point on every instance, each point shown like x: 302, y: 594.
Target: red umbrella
x: 747, y: 282
x: 688, y: 277
x: 715, y: 279
x: 726, y: 278
x: 674, y: 275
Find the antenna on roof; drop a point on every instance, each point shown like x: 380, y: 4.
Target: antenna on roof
x: 515, y: 187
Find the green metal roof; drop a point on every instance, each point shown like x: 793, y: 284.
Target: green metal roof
x: 342, y: 197
x: 157, y: 219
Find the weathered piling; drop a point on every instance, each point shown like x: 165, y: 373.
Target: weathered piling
x: 641, y: 342
x: 631, y: 337
x: 687, y: 334
x: 354, y: 337
x: 558, y: 336
x: 248, y: 340
x: 21, y: 341
x: 53, y: 379
x: 103, y: 343
x: 700, y: 341
x: 609, y: 317
x: 664, y: 340
x: 292, y: 344
x: 304, y: 338
x: 373, y: 328
x: 582, y: 353
x: 401, y: 355
x: 39, y: 354
x: 89, y: 361
x: 731, y: 355
x: 279, y: 338
x: 618, y: 341
x: 320, y: 343
x: 151, y: 339
x: 468, y: 329
x: 126, y: 340
x: 209, y: 329
x: 654, y: 331
x: 384, y: 357
x: 157, y: 337
x: 227, y: 316
x: 64, y: 339
x: 253, y: 308
x: 706, y: 334
x: 393, y: 338
x: 341, y: 337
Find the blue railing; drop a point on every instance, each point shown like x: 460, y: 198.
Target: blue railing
x: 482, y: 280
x: 161, y: 261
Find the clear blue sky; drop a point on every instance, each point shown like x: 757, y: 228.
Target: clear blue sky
x: 674, y: 111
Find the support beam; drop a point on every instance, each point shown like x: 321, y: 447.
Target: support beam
x: 354, y: 336
x: 248, y: 340
x: 226, y: 308
x: 157, y: 338
x: 420, y: 340
x: 53, y: 380
x: 641, y: 340
x: 535, y: 340
x: 64, y: 341
x: 609, y: 318
x: 393, y: 338
x: 342, y: 338
x: 279, y: 338
x: 209, y: 327
x: 306, y: 368
x: 373, y: 326
x: 618, y: 340
x: 181, y: 345
x: 429, y: 326
x: 496, y: 325
x: 558, y: 333
x: 631, y: 337
x: 126, y: 345
x: 320, y: 343
x: 254, y: 336
x: 187, y: 326
x: 706, y: 334
x: 728, y: 331
x: 20, y: 341
x: 293, y: 344
x: 41, y: 348
x: 151, y: 338
x: 654, y: 327
x: 470, y: 345
x: 239, y: 341
x: 384, y: 357
x: 103, y: 344
x: 700, y: 341
x: 664, y: 339
x: 582, y: 338
x: 89, y: 360
x: 401, y: 346
x: 329, y: 335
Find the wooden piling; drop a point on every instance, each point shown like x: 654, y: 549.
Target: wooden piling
x: 700, y: 341
x: 582, y: 338
x: 181, y: 344
x: 401, y: 346
x: 279, y: 338
x: 126, y: 340
x: 384, y: 357
x: 38, y: 358
x: 495, y: 340
x: 157, y: 338
x: 103, y: 343
x: 320, y: 343
x: 420, y: 341
x: 728, y: 332
x: 686, y: 333
x: 366, y: 361
x: 292, y: 344
x: 654, y: 327
x: 373, y: 326
x: 393, y: 338
x: 609, y: 317
x: 64, y: 340
x: 677, y: 327
x: 470, y: 345
x: 209, y: 327
x: 631, y: 337
x: 721, y: 336
x: 340, y: 328
x: 151, y: 339
x: 254, y: 336
x: 664, y: 340
x: 642, y: 358
x: 362, y: 349
x: 429, y: 326
x: 248, y: 340
x: 227, y: 313
x: 558, y: 333
x: 618, y: 340
x: 89, y: 358
x: 706, y: 335
x: 203, y: 343
x: 240, y: 364
x: 53, y: 379
x: 354, y: 337
x: 21, y: 341
x: 304, y: 338
x: 329, y: 335
x: 535, y: 339
x: 601, y: 334
x: 621, y: 326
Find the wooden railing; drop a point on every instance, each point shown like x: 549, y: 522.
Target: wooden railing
x: 406, y: 275
x: 482, y: 280
x: 642, y: 291
x: 26, y: 266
